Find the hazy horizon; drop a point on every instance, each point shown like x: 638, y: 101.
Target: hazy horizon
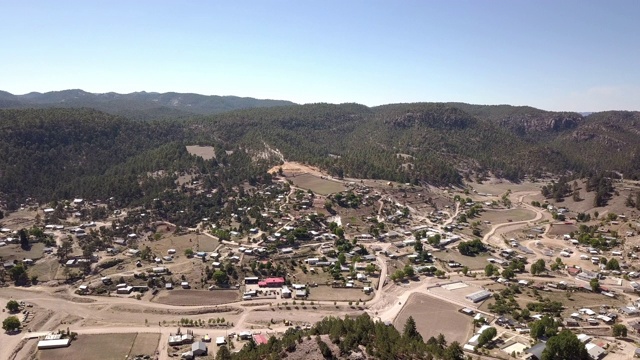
x: 559, y: 56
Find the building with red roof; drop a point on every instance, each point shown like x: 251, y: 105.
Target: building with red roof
x: 271, y: 282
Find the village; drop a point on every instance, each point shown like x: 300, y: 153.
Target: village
x: 505, y: 266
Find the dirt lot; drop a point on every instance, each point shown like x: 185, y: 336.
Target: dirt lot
x: 428, y: 311
x: 501, y: 216
x: 182, y: 297
x: 328, y: 293
x: 181, y: 243
x: 472, y: 262
x: 561, y: 229
x: 14, y: 252
x: 104, y: 347
x: 145, y: 344
x: 205, y: 152
x: 316, y: 184
x: 45, y: 269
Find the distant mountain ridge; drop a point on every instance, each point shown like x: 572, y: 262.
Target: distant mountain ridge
x: 138, y: 105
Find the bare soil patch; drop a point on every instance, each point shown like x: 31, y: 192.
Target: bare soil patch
x: 205, y: 152
x: 145, y: 344
x: 435, y: 317
x: 180, y: 297
x: 104, y: 347
x: 14, y: 252
x: 317, y: 184
x: 502, y: 216
x: 561, y: 229
x: 472, y: 262
x: 328, y: 293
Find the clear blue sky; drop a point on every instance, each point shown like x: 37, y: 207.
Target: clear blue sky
x: 573, y: 55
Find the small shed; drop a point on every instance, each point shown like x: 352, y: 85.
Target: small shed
x: 199, y: 348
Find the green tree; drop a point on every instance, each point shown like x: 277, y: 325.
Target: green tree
x: 19, y: 275
x: 409, y: 271
x: 595, y: 285
x: 613, y: 264
x: 465, y: 270
x: 486, y: 336
x: 508, y: 274
x: 188, y: 252
x: 565, y: 346
x: 220, y: 277
x: 223, y: 353
x: 11, y: 324
x: 410, y: 330
x: 13, y: 306
x: 538, y: 267
x: 24, y: 239
x: 490, y: 270
x: 65, y: 249
x: 619, y: 330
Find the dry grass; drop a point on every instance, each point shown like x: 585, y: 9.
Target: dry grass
x: 435, y: 317
x: 205, y: 152
x: 182, y: 297
x: 501, y: 216
x: 472, y: 262
x: 327, y: 293
x: 145, y: 344
x: 45, y: 269
x: 103, y: 347
x: 317, y: 184
x: 181, y: 243
x: 14, y: 252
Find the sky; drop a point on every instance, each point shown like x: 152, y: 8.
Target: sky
x: 563, y: 55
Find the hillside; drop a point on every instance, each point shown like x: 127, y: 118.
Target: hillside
x: 61, y: 153
x: 138, y: 105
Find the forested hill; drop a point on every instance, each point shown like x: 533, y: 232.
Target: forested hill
x: 60, y: 153
x: 435, y: 142
x: 138, y: 105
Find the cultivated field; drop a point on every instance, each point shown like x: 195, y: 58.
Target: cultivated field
x: 182, y: 297
x: 103, y: 347
x: 435, y: 317
x: 317, y: 184
x: 205, y: 152
x: 561, y: 229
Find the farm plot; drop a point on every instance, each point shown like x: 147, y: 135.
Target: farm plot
x: 317, y: 184
x: 328, y: 293
x: 104, y: 347
x: 145, y: 344
x: 561, y: 229
x: 502, y: 216
x: 435, y: 317
x: 180, y: 297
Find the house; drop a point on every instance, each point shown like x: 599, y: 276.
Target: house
x: 595, y: 351
x: 220, y: 340
x: 535, y: 352
x: 124, y: 290
x: 168, y: 286
x: 185, y: 285
x: 251, y: 280
x: 53, y: 344
x: 272, y: 282
x: 199, y: 348
x: 245, y: 335
x: 286, y: 293
x: 301, y: 293
x: 479, y: 296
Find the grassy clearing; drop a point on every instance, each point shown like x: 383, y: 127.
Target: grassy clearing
x: 502, y: 216
x: 145, y: 344
x: 317, y: 184
x: 327, y: 293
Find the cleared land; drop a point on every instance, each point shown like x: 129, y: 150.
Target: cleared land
x: 501, y: 216
x: 145, y: 344
x: 327, y: 293
x: 205, y: 152
x: 472, y: 262
x: 104, y: 347
x: 435, y: 317
x: 561, y: 229
x: 182, y: 297
x: 14, y: 252
x: 317, y: 184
